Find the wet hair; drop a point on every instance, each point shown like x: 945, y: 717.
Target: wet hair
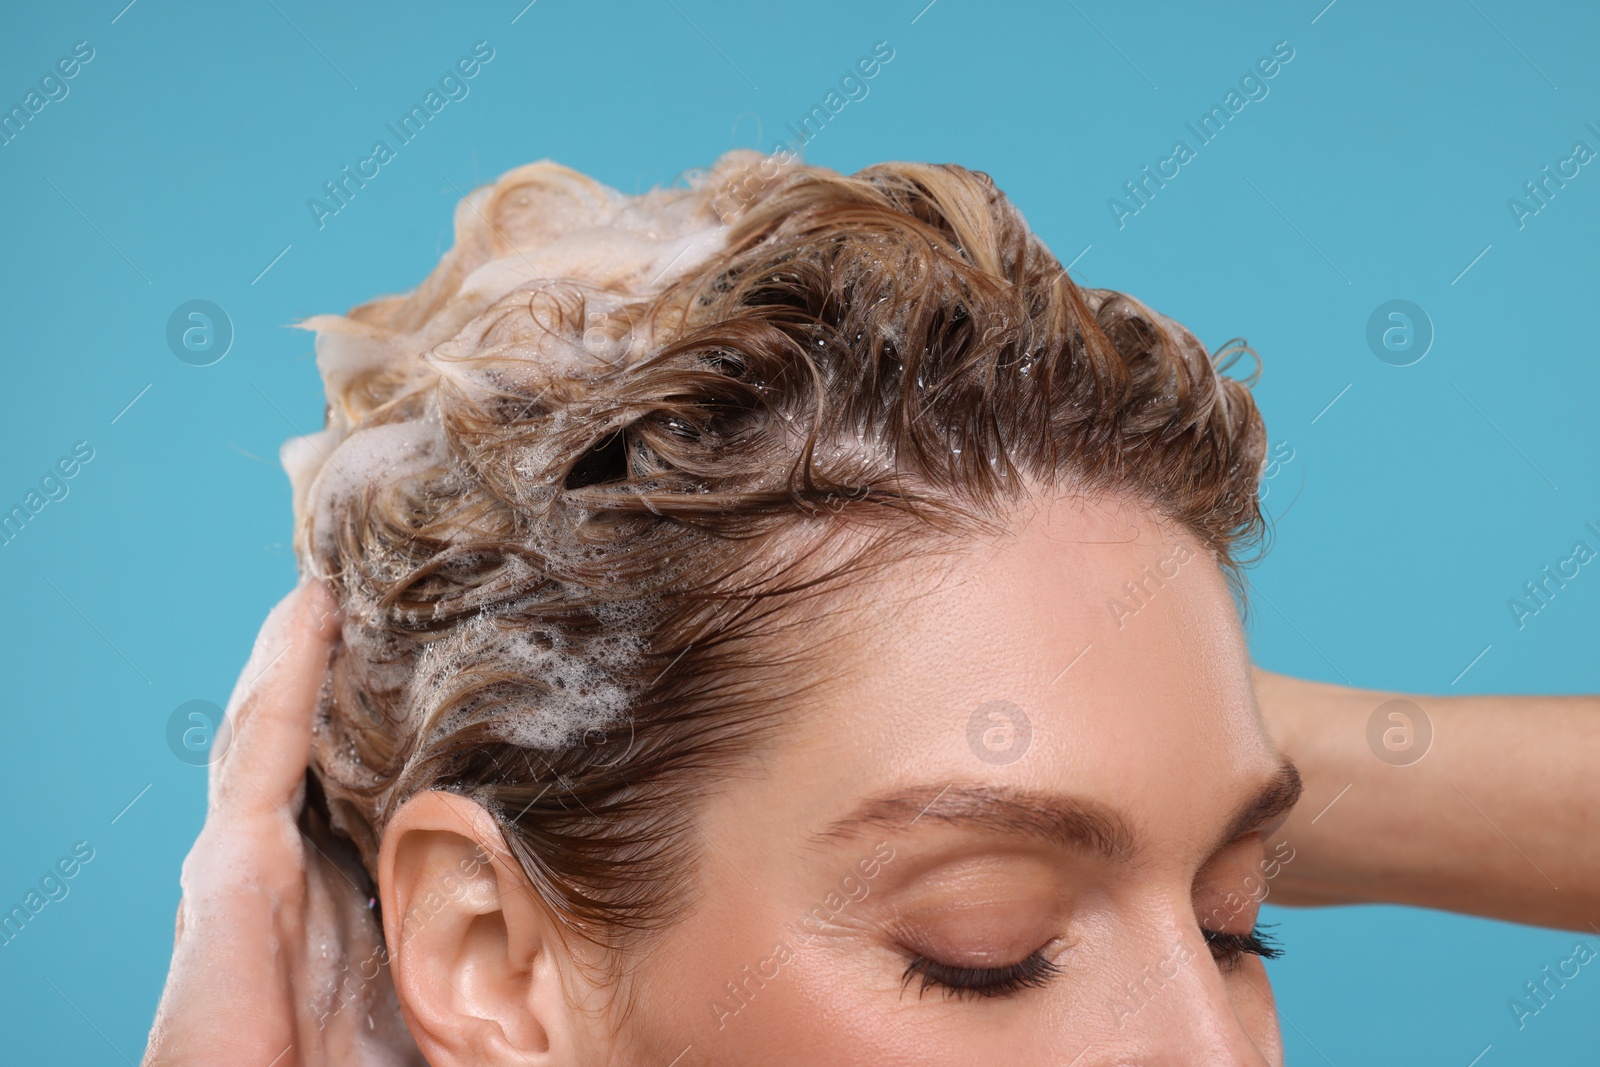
x: 585, y: 493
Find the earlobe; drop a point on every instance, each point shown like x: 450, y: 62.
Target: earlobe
x: 478, y: 961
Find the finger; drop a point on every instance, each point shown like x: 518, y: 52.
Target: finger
x: 270, y: 712
x: 319, y: 605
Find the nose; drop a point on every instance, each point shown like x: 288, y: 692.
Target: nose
x: 1178, y: 1010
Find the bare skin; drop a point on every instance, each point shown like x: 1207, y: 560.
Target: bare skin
x: 896, y: 882
x: 876, y: 834
x: 1497, y: 818
x: 260, y: 904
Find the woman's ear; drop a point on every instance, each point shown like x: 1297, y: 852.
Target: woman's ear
x: 479, y: 962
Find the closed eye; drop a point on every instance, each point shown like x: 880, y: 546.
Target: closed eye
x: 1229, y: 950
x: 968, y: 982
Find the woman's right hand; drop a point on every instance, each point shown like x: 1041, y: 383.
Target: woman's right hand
x: 277, y: 960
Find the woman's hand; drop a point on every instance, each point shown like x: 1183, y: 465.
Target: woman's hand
x: 277, y: 960
x: 1486, y: 805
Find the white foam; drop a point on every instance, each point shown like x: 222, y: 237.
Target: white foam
x: 553, y: 280
x: 569, y: 686
x: 540, y: 234
x: 369, y: 458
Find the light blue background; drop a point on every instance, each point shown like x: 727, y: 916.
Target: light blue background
x: 1378, y: 167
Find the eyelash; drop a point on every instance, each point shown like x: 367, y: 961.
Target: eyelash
x: 971, y: 982
x: 1229, y: 950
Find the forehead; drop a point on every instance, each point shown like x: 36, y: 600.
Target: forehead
x: 1092, y: 648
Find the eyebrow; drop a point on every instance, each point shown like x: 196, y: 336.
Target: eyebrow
x: 1276, y: 798
x: 1055, y: 818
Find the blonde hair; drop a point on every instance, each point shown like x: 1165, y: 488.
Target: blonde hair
x: 575, y: 488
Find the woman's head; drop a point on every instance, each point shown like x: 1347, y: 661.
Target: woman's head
x: 809, y: 599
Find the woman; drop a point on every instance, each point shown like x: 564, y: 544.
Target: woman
x: 786, y: 620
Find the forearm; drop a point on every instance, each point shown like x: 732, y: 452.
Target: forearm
x: 1500, y: 817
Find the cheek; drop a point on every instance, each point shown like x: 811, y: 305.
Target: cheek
x: 794, y: 1011
x: 830, y: 1003
x: 842, y: 1005
x: 837, y: 1001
